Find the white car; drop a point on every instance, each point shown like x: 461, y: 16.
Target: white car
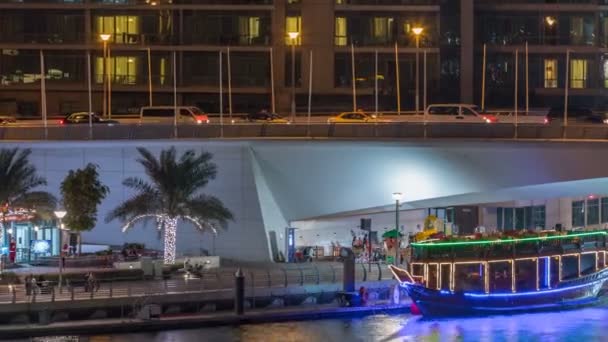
x: 457, y: 112
x: 7, y: 119
x: 523, y: 118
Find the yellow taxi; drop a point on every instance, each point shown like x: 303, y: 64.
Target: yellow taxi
x: 353, y: 117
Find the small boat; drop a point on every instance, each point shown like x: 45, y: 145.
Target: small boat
x: 505, y: 274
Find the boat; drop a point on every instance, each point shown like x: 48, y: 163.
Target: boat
x: 505, y: 274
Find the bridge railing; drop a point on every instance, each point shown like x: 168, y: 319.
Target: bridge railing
x: 392, y: 130
x: 258, y: 282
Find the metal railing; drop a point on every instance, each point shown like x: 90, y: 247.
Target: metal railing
x: 258, y: 282
x: 393, y: 130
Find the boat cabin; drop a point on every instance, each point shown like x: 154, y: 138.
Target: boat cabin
x: 503, y: 264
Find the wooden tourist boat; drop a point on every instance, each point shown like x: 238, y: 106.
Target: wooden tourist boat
x: 505, y: 274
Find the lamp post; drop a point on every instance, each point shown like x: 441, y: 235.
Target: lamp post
x: 550, y: 21
x: 104, y: 38
x: 417, y: 32
x: 397, y: 196
x: 60, y: 214
x: 292, y: 39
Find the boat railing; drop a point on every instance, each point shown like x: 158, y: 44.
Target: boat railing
x: 507, y: 249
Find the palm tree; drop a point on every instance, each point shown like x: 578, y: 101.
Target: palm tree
x: 18, y: 183
x: 172, y: 194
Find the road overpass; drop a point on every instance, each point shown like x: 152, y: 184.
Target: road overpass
x: 269, y: 184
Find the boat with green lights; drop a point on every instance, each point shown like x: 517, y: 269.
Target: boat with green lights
x: 500, y: 273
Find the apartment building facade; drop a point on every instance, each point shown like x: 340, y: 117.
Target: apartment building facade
x: 151, y: 40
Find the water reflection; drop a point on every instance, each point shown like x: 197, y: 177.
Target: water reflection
x: 577, y: 326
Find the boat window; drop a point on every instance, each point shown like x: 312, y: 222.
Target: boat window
x: 554, y: 269
x: 569, y: 267
x: 469, y: 277
x: 525, y: 275
x: 587, y: 263
x: 544, y: 272
x: 500, y: 277
x: 433, y: 276
x: 418, y: 270
x: 446, y: 276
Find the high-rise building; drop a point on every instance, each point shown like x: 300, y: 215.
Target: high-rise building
x: 445, y: 39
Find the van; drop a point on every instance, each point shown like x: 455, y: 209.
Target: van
x: 165, y: 115
x: 458, y: 112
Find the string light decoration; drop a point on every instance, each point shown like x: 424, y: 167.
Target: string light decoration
x: 168, y: 225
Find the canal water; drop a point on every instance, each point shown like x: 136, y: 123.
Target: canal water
x: 577, y: 326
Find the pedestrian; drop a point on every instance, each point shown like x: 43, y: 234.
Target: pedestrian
x: 64, y: 252
x: 34, y: 285
x: 12, y: 251
x: 87, y: 281
x: 28, y: 285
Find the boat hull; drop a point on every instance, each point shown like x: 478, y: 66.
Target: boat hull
x: 584, y: 291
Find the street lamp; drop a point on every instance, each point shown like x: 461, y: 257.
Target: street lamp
x: 417, y: 32
x: 550, y: 35
x: 60, y: 214
x: 104, y: 38
x: 292, y: 38
x: 397, y: 196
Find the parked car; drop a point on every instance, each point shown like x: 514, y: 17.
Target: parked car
x: 576, y: 114
x: 266, y: 117
x: 523, y: 117
x: 166, y: 115
x: 83, y: 118
x: 354, y: 117
x: 7, y: 119
x: 458, y: 112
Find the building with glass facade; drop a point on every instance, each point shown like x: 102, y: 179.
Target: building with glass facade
x: 146, y: 34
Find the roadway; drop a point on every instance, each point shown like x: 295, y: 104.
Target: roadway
x: 300, y: 118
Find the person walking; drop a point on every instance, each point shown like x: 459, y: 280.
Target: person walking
x: 28, y: 285
x: 34, y: 285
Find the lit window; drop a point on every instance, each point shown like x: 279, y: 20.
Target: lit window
x: 123, y: 28
x: 249, y: 29
x: 578, y: 73
x: 121, y: 69
x: 341, y: 35
x: 382, y: 29
x: 550, y: 73
x: 293, y: 24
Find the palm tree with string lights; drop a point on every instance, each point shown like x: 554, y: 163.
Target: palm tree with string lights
x: 19, y: 184
x: 172, y: 194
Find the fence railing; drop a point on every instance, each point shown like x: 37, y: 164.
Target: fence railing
x: 258, y: 282
x: 393, y: 130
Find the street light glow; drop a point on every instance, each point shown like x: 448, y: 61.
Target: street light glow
x: 293, y: 35
x: 105, y: 36
x: 550, y: 20
x: 417, y: 30
x: 397, y: 196
x: 60, y: 213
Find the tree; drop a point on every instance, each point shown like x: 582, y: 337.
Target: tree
x: 18, y: 183
x: 82, y: 192
x: 173, y: 194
